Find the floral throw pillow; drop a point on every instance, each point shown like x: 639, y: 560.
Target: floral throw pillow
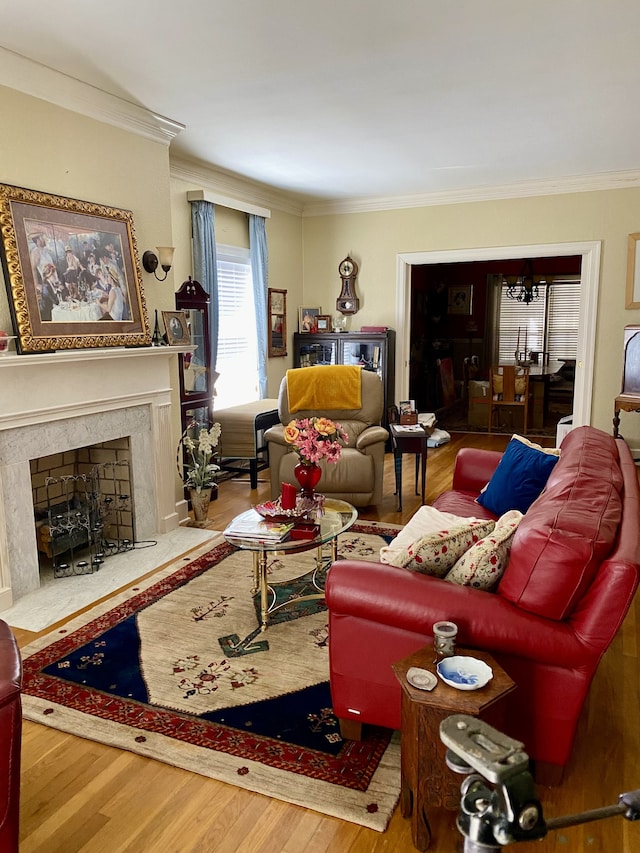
x: 484, y: 563
x: 435, y: 553
x: 425, y: 521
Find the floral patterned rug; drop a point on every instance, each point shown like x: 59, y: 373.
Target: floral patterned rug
x: 177, y: 669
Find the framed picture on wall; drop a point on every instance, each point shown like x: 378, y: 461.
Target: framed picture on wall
x: 633, y: 271
x: 460, y: 298
x: 277, y: 320
x: 72, y: 272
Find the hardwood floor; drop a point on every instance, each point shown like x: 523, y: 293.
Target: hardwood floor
x: 82, y: 796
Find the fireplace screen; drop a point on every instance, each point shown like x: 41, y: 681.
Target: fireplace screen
x: 85, y: 519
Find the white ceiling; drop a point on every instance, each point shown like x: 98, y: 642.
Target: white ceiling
x: 358, y: 99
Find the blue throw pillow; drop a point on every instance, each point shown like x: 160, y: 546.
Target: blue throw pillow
x: 521, y: 475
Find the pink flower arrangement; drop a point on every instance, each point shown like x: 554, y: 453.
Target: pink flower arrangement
x: 316, y: 438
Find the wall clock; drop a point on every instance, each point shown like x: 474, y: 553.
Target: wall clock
x: 348, y: 302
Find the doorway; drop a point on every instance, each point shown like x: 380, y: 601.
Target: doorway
x: 590, y: 274
x: 463, y: 321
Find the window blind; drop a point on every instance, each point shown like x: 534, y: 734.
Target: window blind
x: 564, y: 315
x: 550, y: 324
x: 237, y: 344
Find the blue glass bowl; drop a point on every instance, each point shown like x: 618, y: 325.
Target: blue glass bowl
x: 464, y: 673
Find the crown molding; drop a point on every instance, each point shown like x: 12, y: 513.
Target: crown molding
x: 206, y: 177
x: 557, y: 186
x: 32, y: 78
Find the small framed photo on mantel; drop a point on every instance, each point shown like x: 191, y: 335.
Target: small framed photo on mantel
x: 175, y: 322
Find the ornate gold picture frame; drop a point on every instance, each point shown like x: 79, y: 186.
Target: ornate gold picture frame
x: 72, y: 273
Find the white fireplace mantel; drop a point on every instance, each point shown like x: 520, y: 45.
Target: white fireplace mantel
x: 52, y: 402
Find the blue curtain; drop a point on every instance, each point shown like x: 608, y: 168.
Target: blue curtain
x: 260, y: 272
x: 205, y: 269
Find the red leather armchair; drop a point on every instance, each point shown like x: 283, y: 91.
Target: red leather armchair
x: 10, y: 739
x: 572, y: 573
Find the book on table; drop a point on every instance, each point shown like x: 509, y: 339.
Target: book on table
x: 252, y: 525
x: 411, y: 430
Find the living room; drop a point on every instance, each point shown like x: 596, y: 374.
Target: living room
x: 61, y: 138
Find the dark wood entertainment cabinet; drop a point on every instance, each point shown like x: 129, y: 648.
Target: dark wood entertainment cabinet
x: 375, y: 351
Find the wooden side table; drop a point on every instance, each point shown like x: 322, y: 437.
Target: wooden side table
x: 416, y: 444
x: 425, y: 778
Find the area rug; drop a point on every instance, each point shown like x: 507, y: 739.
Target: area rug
x: 177, y: 669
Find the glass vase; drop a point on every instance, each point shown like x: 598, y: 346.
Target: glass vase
x: 308, y: 475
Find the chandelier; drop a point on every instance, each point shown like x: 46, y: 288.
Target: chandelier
x: 523, y: 288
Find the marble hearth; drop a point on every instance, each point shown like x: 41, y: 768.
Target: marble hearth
x: 50, y: 403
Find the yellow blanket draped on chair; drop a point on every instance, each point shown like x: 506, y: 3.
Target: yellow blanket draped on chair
x: 324, y: 387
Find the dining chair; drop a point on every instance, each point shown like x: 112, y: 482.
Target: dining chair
x: 509, y: 391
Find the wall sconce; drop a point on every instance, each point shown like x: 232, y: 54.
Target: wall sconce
x: 164, y: 257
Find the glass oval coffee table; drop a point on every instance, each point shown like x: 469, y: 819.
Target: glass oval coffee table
x: 335, y: 518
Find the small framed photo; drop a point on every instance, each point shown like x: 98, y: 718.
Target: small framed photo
x: 308, y: 321
x: 407, y: 407
x: 175, y: 323
x: 460, y: 299
x: 323, y: 322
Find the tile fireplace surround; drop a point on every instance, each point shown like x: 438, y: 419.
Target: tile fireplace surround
x: 53, y: 402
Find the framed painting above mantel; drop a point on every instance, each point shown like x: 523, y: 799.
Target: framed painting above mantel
x: 72, y: 273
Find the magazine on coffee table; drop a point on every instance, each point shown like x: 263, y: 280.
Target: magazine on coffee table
x: 251, y: 525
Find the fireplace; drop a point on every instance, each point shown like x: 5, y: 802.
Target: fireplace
x: 53, y: 403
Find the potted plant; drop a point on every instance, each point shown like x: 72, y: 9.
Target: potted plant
x: 198, y: 473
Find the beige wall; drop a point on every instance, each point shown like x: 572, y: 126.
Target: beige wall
x: 375, y: 239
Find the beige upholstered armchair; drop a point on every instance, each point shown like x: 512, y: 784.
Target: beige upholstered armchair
x: 358, y: 475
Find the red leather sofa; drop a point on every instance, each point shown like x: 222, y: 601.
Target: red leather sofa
x: 572, y: 573
x: 10, y: 739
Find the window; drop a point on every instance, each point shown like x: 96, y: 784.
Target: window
x: 563, y: 317
x: 237, y: 361
x: 550, y: 324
